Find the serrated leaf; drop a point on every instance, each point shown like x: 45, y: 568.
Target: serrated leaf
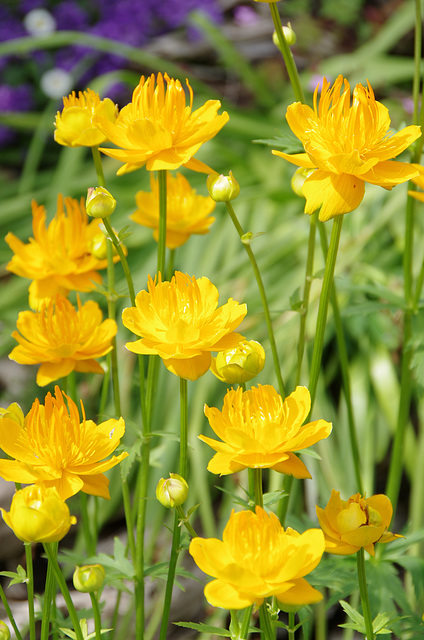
x: 236, y: 499
x: 204, y: 628
x: 18, y: 577
x: 355, y: 616
x: 274, y: 496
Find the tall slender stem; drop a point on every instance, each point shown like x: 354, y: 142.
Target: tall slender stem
x: 287, y: 54
x: 306, y: 292
x: 162, y: 178
x: 97, y: 618
x: 248, y: 248
x: 291, y: 630
x: 259, y: 497
x: 183, y: 428
x: 9, y: 613
x: 323, y: 306
x: 51, y: 555
x: 30, y: 589
x: 172, y: 566
x: 363, y: 590
x: 265, y: 621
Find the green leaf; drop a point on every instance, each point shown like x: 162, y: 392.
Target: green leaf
x: 358, y: 620
x: 204, y: 628
x: 19, y: 577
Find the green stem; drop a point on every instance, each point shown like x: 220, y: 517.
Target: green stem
x: 287, y: 54
x: 49, y: 595
x: 97, y: 618
x: 344, y: 365
x: 170, y: 265
x: 9, y: 613
x: 265, y: 621
x: 64, y: 589
x: 90, y: 542
x: 291, y: 630
x: 183, y: 519
x: 234, y: 625
x: 306, y: 292
x: 259, y: 497
x: 324, y: 299
x: 162, y: 178
x: 183, y: 427
x: 171, y: 577
x: 248, y: 248
x: 30, y: 589
x: 98, y: 166
x: 246, y: 622
x: 363, y: 590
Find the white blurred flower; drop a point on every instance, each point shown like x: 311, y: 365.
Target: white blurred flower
x: 56, y: 83
x: 39, y: 22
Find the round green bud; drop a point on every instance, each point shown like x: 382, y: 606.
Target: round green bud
x: 99, y: 203
x: 4, y: 631
x: 289, y: 35
x: 239, y: 364
x: 298, y: 179
x: 98, y: 246
x: 173, y: 491
x: 89, y: 578
x: 222, y: 188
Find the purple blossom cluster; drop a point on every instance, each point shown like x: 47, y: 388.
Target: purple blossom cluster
x: 133, y: 23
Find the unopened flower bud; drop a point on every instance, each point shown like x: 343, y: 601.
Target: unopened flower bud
x: 99, y: 203
x: 98, y: 247
x: 4, y: 631
x: 239, y: 364
x: 289, y: 36
x: 89, y: 578
x: 13, y: 412
x: 222, y: 188
x: 299, y: 178
x: 173, y: 491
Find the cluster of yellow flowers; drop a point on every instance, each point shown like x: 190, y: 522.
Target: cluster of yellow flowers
x: 180, y: 320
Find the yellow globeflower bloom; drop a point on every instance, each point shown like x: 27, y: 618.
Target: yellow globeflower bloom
x: 159, y: 130
x: 74, y: 125
x: 58, y: 450
x: 259, y: 431
x: 186, y: 212
x: 348, y: 145
x: 63, y: 339
x: 256, y: 559
x: 58, y: 259
x: 38, y: 514
x: 358, y: 522
x: 179, y: 321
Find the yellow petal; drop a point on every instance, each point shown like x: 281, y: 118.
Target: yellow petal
x: 331, y: 193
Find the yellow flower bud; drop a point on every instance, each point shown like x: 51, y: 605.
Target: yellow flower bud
x: 298, y: 179
x: 38, y: 514
x: 173, y: 491
x: 222, y: 188
x: 100, y: 203
x: 89, y: 578
x: 239, y: 364
x: 13, y: 412
x: 4, y: 631
x: 289, y: 36
x: 98, y: 246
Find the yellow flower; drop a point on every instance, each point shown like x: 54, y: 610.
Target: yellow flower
x: 239, y: 364
x: 186, y: 212
x: 158, y: 130
x: 358, y: 522
x: 58, y: 258
x: 256, y: 559
x: 348, y: 145
x: 57, y: 450
x: 259, y: 430
x: 38, y: 514
x: 63, y: 339
x: 180, y: 322
x: 74, y: 126
x: 419, y: 181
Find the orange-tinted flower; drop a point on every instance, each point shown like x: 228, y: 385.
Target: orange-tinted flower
x: 358, y: 522
x: 58, y: 258
x: 348, y: 145
x: 57, y: 450
x: 38, y: 514
x: 179, y: 321
x: 159, y: 130
x: 256, y: 559
x: 74, y: 125
x: 259, y: 430
x: 63, y: 339
x: 186, y: 212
